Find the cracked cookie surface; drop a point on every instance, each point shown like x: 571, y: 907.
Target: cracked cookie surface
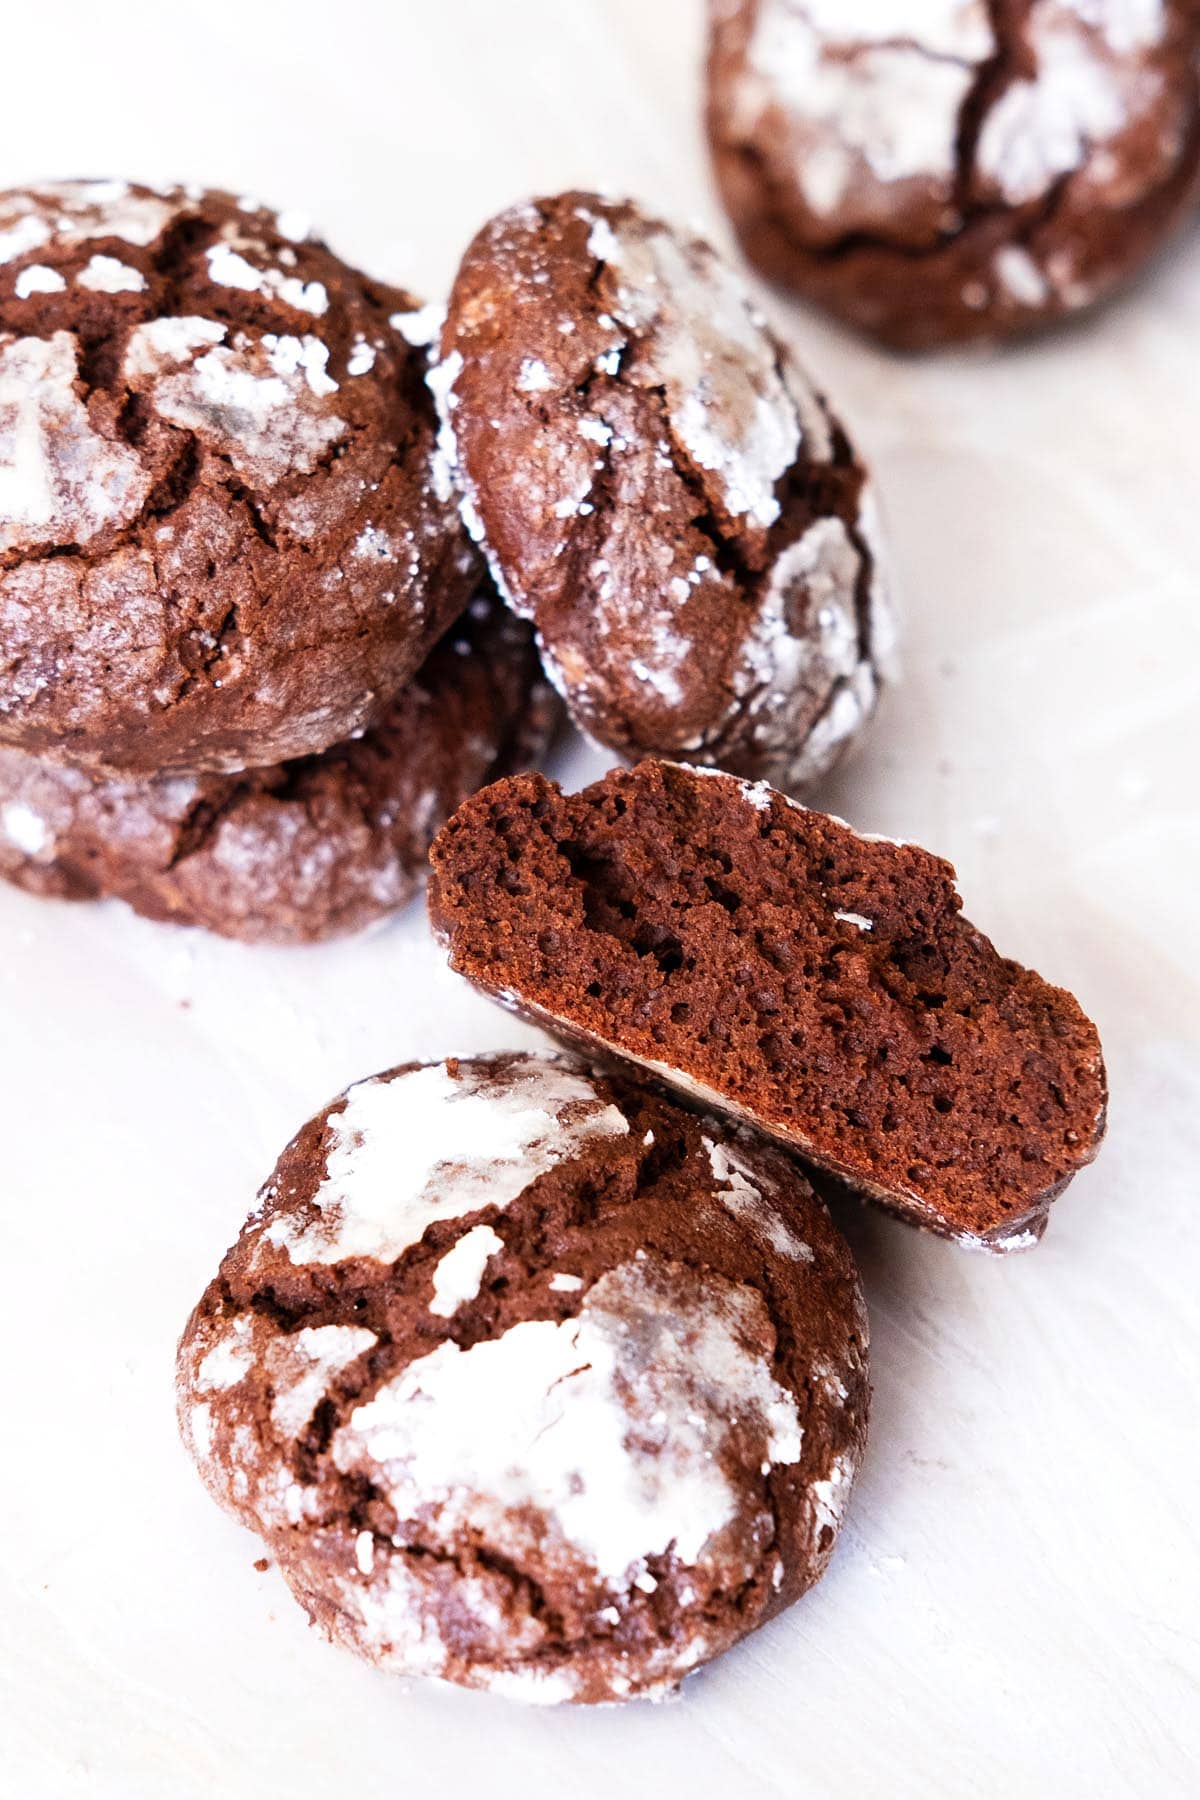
x: 221, y: 544
x: 660, y: 489
x: 531, y: 1379
x: 305, y: 850
x: 770, y: 962
x: 963, y: 169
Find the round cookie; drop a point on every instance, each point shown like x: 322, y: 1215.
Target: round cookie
x: 978, y: 173
x: 661, y: 491
x: 532, y: 1380
x: 305, y: 850
x: 222, y: 542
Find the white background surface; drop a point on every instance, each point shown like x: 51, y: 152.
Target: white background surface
x: 1013, y: 1607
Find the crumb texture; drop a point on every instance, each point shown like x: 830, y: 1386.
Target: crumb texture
x: 305, y: 850
x: 513, y: 1392
x: 661, y: 489
x: 220, y: 540
x: 993, y: 165
x: 767, y: 959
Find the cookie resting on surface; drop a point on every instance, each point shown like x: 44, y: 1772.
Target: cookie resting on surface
x: 306, y: 850
x: 772, y: 963
x: 532, y: 1379
x: 957, y: 169
x: 661, y: 490
x: 223, y: 538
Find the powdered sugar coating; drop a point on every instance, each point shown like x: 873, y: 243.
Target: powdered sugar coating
x: 532, y: 1687
x: 458, y: 1275
x: 437, y: 1143
x: 807, y: 684
x: 958, y: 30
x: 224, y: 1365
x: 858, y: 920
x: 35, y: 278
x: 873, y: 101
x: 72, y: 212
x: 256, y: 402
x: 832, y: 1494
x: 1090, y: 83
x: 61, y: 482
x: 218, y: 1414
x: 108, y: 275
x: 872, y: 107
x: 421, y: 326
x: 229, y: 268
x: 25, y: 828
x: 21, y: 231
x: 727, y: 400
x: 740, y: 1188
x: 607, y: 1426
x: 301, y: 1367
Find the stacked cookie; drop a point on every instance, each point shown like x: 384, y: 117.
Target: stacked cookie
x: 229, y: 562
x: 230, y: 538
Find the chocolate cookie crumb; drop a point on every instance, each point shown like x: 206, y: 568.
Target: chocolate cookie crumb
x: 769, y: 961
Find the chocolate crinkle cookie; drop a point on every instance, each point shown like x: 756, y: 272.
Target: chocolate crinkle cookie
x: 532, y: 1380
x: 222, y: 543
x: 963, y: 169
x: 305, y: 850
x: 661, y: 490
x: 774, y: 964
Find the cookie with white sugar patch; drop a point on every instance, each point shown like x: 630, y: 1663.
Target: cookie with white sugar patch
x: 305, y: 850
x: 957, y: 171
x: 661, y: 490
x: 531, y: 1379
x: 769, y: 962
x: 223, y: 542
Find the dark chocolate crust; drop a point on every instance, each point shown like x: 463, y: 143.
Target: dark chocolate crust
x: 768, y: 960
x: 698, y: 1269
x: 305, y: 850
x: 224, y: 541
x: 1061, y: 149
x: 661, y: 490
